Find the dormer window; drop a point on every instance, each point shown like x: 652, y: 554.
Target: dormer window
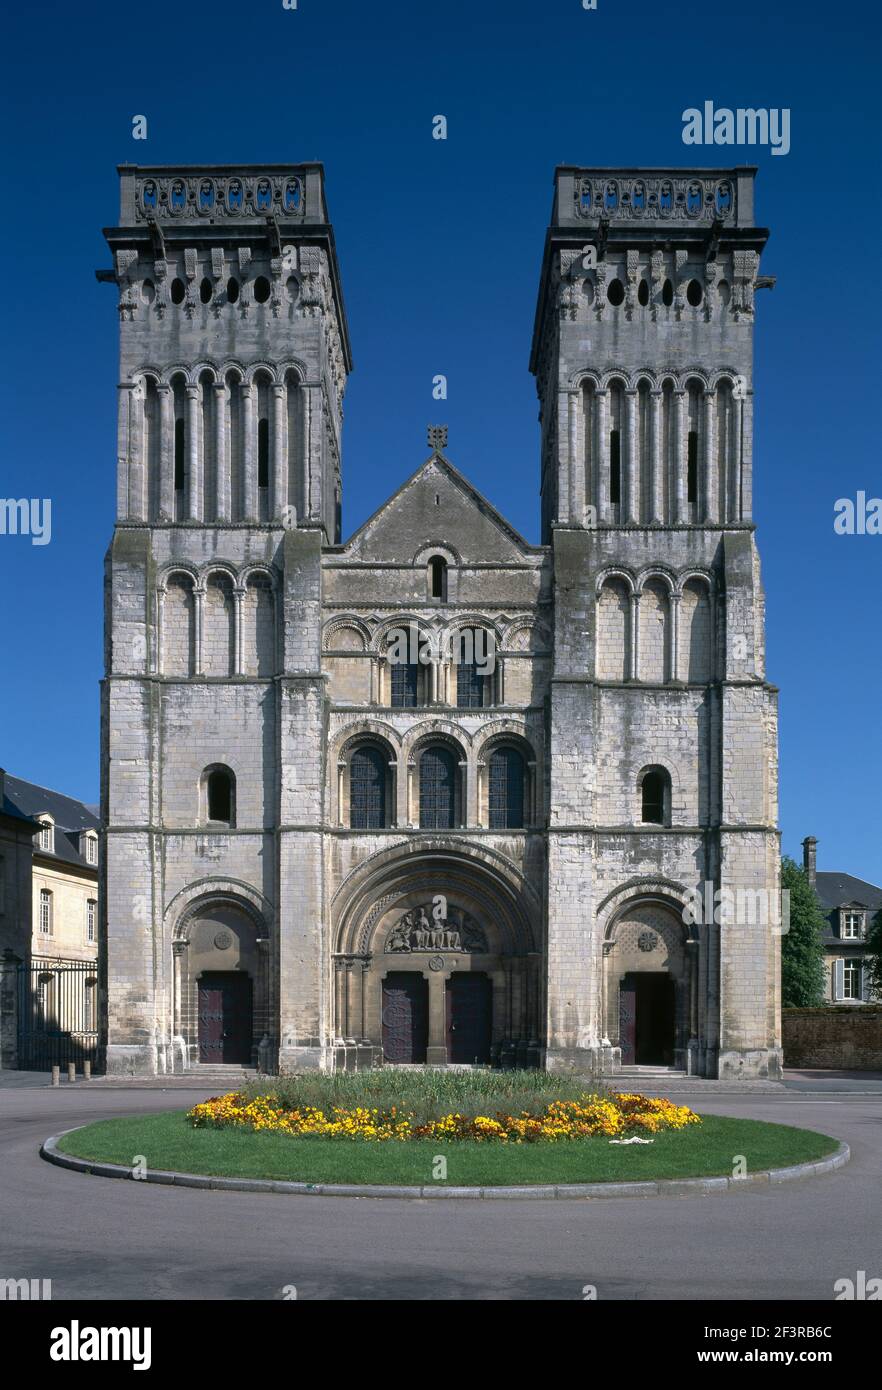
x: 46, y: 837
x: 851, y: 926
x: 89, y: 846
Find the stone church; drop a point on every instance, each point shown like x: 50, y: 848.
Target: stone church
x: 432, y: 794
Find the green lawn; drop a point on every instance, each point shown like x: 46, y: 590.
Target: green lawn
x: 167, y: 1141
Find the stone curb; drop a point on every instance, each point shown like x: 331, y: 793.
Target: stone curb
x: 662, y: 1187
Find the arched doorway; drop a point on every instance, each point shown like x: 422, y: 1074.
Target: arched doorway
x: 648, y: 986
x: 436, y: 963
x: 221, y: 984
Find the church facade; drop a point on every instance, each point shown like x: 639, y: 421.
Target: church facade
x: 433, y: 794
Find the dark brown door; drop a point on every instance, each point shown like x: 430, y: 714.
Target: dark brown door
x: 655, y: 1020
x: 405, y: 1017
x: 628, y: 1020
x: 225, y: 1018
x: 469, y: 1018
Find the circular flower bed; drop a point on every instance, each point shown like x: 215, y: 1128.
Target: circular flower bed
x: 590, y: 1115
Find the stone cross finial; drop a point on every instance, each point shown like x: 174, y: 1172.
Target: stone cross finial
x: 437, y: 438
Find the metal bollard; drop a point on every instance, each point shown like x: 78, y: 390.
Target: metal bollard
x: 56, y: 1076
x: 87, y: 1071
x: 71, y: 1071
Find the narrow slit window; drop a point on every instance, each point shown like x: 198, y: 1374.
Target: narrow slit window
x: 179, y: 456
x: 437, y: 577
x: 692, y: 467
x: 615, y: 467
x: 263, y: 453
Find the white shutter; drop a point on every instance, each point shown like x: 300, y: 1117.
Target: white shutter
x: 838, y: 979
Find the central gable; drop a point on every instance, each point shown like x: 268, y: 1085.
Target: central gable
x: 437, y: 506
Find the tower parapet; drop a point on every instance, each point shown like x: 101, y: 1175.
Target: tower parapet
x: 234, y: 349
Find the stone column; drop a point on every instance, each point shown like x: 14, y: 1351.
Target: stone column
x: 711, y: 481
x: 167, y: 453
x: 341, y: 780
x: 602, y: 455
x: 656, y: 482
x: 674, y: 664
x: 199, y: 618
x: 130, y: 495
x: 180, y: 1021
x: 249, y: 452
x: 221, y: 455
x: 194, y: 471
x: 156, y: 665
x: 635, y: 637
x: 393, y: 800
x: 631, y: 508
x: 409, y: 818
x: 436, y: 1052
x: 280, y: 450
x: 464, y: 792
x: 742, y: 459
x: 681, y: 455
x: 238, y: 664
x: 576, y: 460
x: 480, y: 780
x: 306, y: 397
x: 338, y: 1030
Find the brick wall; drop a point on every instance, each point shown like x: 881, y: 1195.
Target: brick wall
x: 848, y: 1038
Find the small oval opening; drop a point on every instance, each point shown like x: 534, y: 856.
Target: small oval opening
x: 292, y: 288
x: 148, y: 293
x: 724, y: 292
x: 616, y: 292
x: 205, y: 290
x: 643, y: 294
x: 232, y: 291
x: 588, y: 290
x: 667, y: 293
x: 694, y: 293
x: 178, y: 293
x: 261, y: 289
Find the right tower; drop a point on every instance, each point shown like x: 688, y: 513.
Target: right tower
x: 663, y: 729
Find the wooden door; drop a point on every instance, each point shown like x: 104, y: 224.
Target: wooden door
x: 628, y: 1020
x: 405, y: 1017
x: 469, y: 1018
x: 225, y: 1018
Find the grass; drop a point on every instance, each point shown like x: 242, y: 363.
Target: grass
x: 427, y: 1094
x: 705, y: 1150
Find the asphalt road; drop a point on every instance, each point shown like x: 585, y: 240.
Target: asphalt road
x: 97, y: 1238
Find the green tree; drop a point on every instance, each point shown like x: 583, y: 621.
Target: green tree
x: 802, y: 950
x: 873, y: 957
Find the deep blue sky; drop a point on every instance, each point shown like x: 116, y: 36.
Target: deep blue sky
x: 440, y: 247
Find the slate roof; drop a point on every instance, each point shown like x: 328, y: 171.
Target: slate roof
x: 26, y: 799
x: 841, y: 890
x: 836, y: 890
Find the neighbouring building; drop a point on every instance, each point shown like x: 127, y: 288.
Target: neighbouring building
x: 434, y: 794
x: 17, y: 832
x: 849, y: 905
x: 63, y: 918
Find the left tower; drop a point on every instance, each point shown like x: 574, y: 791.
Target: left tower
x: 234, y: 357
